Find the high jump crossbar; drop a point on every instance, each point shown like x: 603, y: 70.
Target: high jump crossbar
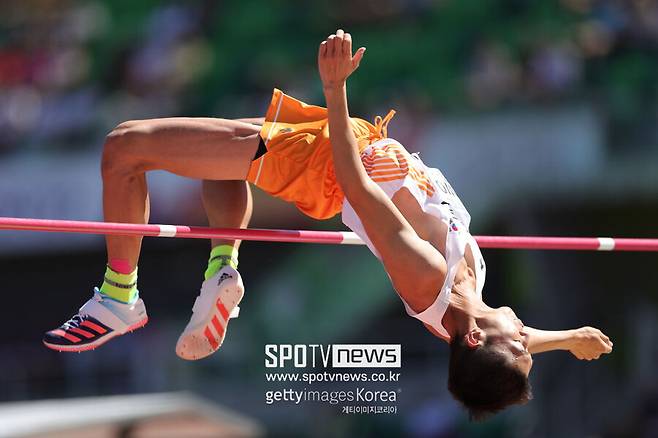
x: 308, y: 236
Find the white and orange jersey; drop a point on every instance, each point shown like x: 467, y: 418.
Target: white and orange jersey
x: 392, y: 167
x: 389, y: 162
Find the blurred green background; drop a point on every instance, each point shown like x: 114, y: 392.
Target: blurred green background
x: 543, y: 115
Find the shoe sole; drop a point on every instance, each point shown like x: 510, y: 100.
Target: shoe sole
x: 95, y: 344
x: 206, y: 337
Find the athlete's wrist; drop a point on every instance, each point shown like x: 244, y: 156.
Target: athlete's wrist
x: 569, y: 339
x: 334, y: 87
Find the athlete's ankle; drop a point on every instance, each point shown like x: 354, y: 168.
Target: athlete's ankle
x: 220, y: 256
x: 122, y: 266
x: 120, y: 287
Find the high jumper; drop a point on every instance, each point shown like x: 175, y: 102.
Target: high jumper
x: 325, y: 162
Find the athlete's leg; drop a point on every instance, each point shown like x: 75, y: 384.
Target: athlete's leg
x: 196, y: 148
x: 228, y: 205
x: 200, y: 148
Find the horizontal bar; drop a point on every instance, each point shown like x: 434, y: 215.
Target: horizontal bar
x: 308, y: 236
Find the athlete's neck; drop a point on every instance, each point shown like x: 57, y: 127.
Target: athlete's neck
x: 465, y: 305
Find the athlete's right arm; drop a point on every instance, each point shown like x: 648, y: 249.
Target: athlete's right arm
x: 416, y: 268
x: 586, y: 343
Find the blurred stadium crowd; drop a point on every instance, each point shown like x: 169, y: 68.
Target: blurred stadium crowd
x: 70, y: 70
x: 542, y: 114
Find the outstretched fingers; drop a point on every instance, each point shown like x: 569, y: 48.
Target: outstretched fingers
x: 346, y: 47
x: 358, y: 56
x: 340, y: 43
x: 335, y: 60
x: 331, y: 45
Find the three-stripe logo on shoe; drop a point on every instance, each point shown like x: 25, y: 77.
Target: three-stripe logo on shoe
x: 223, y: 277
x: 79, y: 330
x: 217, y: 325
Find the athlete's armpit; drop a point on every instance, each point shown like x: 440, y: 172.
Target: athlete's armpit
x: 416, y: 268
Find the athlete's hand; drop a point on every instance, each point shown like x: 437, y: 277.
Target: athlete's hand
x: 587, y: 343
x: 335, y: 60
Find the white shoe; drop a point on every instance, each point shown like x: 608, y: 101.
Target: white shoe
x: 98, y: 320
x: 215, y: 305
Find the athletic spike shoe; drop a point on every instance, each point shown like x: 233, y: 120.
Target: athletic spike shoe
x: 99, y: 320
x: 215, y: 305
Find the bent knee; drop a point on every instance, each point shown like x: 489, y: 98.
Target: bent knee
x: 124, y: 130
x: 119, y: 151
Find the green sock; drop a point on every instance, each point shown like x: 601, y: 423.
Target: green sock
x: 221, y: 256
x: 120, y: 287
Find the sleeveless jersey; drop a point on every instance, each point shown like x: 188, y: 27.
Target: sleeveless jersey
x: 390, y: 166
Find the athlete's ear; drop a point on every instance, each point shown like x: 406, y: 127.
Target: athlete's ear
x: 475, y: 338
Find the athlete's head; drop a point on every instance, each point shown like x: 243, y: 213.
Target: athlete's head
x: 489, y: 365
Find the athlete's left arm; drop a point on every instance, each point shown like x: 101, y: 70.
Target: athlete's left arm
x: 416, y: 268
x: 336, y: 64
x: 585, y: 343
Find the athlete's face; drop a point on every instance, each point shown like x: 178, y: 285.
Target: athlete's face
x: 505, y: 330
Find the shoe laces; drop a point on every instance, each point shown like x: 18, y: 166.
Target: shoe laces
x: 73, y: 322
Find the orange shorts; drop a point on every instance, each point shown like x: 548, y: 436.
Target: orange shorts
x: 298, y: 165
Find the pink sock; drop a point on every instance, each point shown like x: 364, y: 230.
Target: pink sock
x: 121, y: 266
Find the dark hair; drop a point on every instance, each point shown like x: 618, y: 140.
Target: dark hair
x: 484, y: 379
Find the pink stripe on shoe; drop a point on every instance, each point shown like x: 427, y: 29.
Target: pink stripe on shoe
x: 218, y: 326
x: 211, y: 338
x: 100, y: 330
x: 63, y: 334
x: 84, y: 333
x: 222, y: 310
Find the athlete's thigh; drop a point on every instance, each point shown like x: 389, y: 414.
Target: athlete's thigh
x: 202, y: 148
